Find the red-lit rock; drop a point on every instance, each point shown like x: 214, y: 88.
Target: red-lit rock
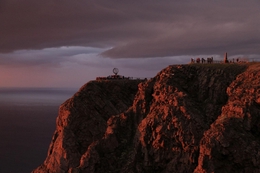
x: 190, y: 118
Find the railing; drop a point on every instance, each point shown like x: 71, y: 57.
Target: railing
x: 140, y: 78
x: 123, y: 78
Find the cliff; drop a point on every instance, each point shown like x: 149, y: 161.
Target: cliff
x: 188, y: 118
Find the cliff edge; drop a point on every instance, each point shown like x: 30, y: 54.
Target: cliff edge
x: 188, y: 118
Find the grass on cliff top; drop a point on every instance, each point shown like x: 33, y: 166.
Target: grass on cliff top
x: 235, y: 68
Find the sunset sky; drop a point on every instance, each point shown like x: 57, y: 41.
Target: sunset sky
x: 64, y: 43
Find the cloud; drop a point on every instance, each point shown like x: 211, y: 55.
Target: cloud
x: 132, y: 29
x: 66, y: 57
x: 48, y: 56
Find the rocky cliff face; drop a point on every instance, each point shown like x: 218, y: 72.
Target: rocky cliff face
x: 188, y: 118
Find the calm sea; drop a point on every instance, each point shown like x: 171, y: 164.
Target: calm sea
x: 27, y: 123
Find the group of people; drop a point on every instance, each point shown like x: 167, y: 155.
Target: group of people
x: 234, y: 60
x: 210, y: 60
x: 202, y: 60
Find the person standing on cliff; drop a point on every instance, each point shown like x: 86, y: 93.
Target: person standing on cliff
x: 202, y: 60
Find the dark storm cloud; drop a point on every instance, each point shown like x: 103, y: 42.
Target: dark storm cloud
x: 143, y: 28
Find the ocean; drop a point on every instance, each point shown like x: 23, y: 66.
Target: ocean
x: 27, y: 123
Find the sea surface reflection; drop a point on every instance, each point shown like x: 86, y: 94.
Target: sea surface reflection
x: 27, y: 123
x: 34, y: 96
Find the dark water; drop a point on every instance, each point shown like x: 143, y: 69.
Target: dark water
x: 27, y: 122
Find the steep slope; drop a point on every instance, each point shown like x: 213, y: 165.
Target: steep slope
x: 232, y: 144
x: 188, y: 118
x: 82, y: 120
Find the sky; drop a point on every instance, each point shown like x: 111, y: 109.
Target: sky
x: 64, y: 43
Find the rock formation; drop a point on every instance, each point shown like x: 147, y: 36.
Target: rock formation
x: 188, y: 118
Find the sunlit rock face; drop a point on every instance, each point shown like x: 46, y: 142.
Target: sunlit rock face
x: 82, y: 121
x: 188, y: 118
